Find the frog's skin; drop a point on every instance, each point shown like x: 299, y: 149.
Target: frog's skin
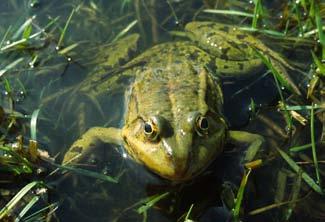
x: 173, y: 123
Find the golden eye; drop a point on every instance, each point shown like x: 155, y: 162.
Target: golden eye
x: 150, y: 130
x: 202, y: 125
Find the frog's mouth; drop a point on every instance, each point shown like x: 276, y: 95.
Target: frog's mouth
x: 177, y: 164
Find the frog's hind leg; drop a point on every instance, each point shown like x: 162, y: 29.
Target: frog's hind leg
x: 89, y: 141
x: 254, y: 141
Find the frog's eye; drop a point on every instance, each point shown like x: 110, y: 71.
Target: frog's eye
x: 150, y: 130
x: 202, y: 125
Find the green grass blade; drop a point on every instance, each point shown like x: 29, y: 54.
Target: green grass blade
x: 299, y: 108
x: 125, y: 30
x: 300, y: 148
x: 5, y: 36
x: 277, y: 77
x: 33, y: 124
x: 30, y: 204
x: 10, y: 66
x: 264, y: 31
x: 229, y: 12
x: 313, y: 146
x: 36, y: 215
x: 150, y: 201
x: 319, y: 64
x: 27, y: 31
x: 240, y: 195
x: 257, y: 11
x: 14, y: 201
x: 86, y: 173
x: 187, y: 217
x: 318, y: 21
x: 65, y: 29
x: 23, y: 27
x: 297, y: 169
x: 68, y: 49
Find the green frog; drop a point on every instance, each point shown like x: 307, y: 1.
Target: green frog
x: 173, y: 122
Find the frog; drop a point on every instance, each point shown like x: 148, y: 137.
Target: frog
x: 173, y: 122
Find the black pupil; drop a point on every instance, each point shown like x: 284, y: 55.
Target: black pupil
x: 204, y: 123
x: 147, y: 128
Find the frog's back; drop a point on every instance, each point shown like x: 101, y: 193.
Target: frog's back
x: 175, y: 80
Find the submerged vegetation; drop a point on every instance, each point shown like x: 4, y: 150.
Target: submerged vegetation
x: 48, y: 48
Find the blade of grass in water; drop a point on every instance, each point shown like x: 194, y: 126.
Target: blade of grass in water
x: 300, y: 148
x: 125, y: 30
x: 228, y: 12
x: 257, y: 11
x: 36, y: 216
x: 5, y: 36
x: 318, y: 20
x: 173, y: 12
x: 298, y: 108
x: 27, y: 31
x: 23, y: 27
x: 319, y: 64
x: 240, y: 195
x: 10, y: 66
x: 12, y: 203
x: 87, y: 173
x: 297, y: 169
x: 313, y: 146
x: 278, y: 77
x: 269, y: 207
x: 264, y: 31
x: 150, y: 201
x: 33, y: 124
x: 65, y: 29
x: 68, y: 49
x: 30, y: 204
x: 187, y: 217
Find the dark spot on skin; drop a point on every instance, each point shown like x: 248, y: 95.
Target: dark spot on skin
x: 76, y: 149
x: 241, y: 66
x: 193, y: 56
x: 122, y: 80
x: 209, y: 34
x: 225, y: 50
x: 243, y: 45
x: 158, y: 72
x: 224, y: 28
x: 205, y: 25
x: 234, y: 45
x: 241, y: 36
x: 224, y: 57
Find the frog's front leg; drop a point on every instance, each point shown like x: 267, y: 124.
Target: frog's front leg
x: 255, y: 142
x: 89, y: 141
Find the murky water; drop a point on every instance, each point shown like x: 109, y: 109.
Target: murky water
x: 66, y: 43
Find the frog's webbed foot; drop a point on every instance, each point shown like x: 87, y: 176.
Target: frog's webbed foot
x: 254, y: 141
x: 89, y: 141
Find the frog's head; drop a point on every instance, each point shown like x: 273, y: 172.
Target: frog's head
x: 176, y: 150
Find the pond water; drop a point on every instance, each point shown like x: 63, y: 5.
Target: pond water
x: 54, y: 61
